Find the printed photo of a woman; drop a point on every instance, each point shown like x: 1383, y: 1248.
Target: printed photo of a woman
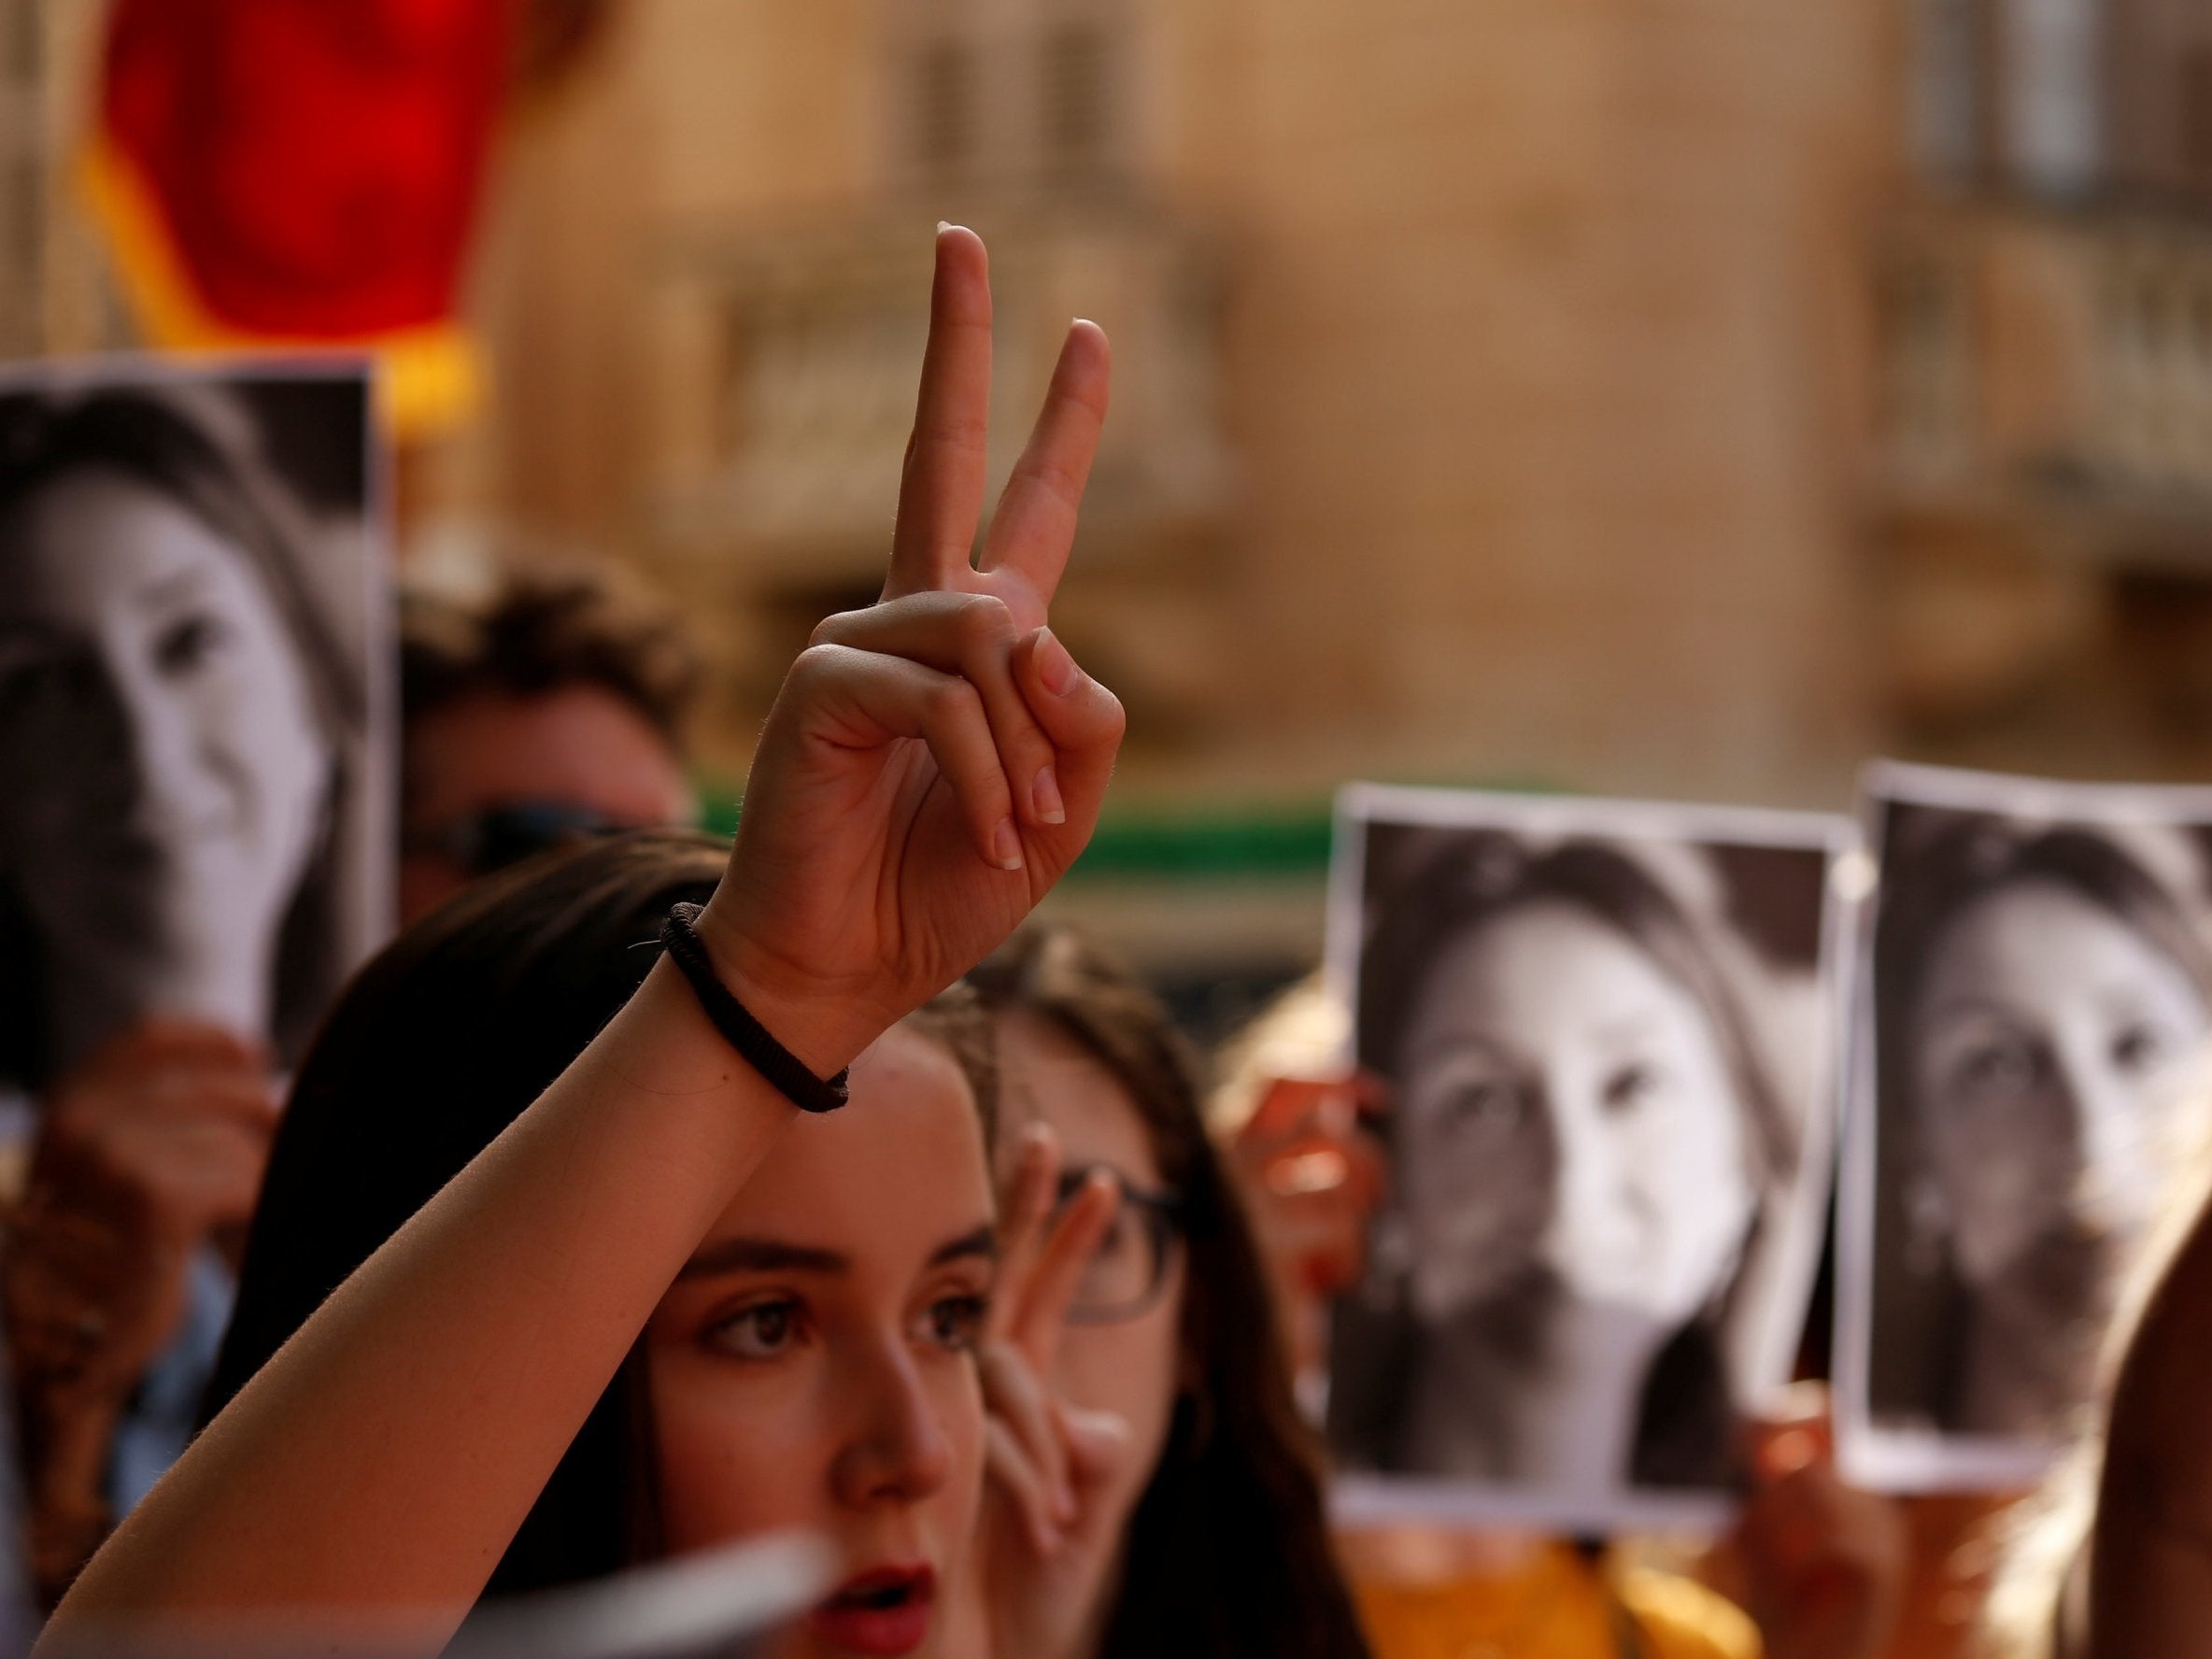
x: 1595, y: 1141
x: 185, y: 714
x: 2041, y: 988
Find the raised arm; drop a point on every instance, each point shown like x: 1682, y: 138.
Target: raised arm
x: 932, y: 767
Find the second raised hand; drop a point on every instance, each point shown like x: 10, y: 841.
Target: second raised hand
x: 937, y: 760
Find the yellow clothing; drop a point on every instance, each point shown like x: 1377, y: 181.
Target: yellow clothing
x: 1556, y: 1604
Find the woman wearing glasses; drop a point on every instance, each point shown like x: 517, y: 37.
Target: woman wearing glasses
x: 1202, y: 1531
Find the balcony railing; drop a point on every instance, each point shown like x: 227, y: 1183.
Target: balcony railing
x: 2051, y: 368
x: 804, y: 349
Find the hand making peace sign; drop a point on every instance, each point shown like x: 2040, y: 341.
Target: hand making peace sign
x: 935, y: 761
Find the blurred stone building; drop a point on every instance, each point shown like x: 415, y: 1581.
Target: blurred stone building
x: 1684, y: 399
x: 1491, y: 378
x: 2042, y: 517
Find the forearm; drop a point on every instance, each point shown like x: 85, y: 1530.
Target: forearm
x: 385, y: 1456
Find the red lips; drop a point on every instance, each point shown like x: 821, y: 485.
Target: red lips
x: 884, y: 1610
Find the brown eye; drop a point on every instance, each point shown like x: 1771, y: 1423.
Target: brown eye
x: 761, y: 1331
x: 956, y: 1322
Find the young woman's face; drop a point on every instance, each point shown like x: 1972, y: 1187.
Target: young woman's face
x: 2045, y: 1033
x: 1129, y: 1365
x: 811, y: 1369
x: 1566, y: 1106
x: 150, y: 686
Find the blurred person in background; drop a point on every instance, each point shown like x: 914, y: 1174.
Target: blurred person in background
x: 2041, y: 993
x: 1209, y: 1535
x: 550, y: 707
x: 1815, y: 1567
x: 181, y: 725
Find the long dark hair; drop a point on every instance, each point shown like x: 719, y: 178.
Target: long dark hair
x: 196, y: 448
x: 440, y: 1044
x: 1228, y: 1552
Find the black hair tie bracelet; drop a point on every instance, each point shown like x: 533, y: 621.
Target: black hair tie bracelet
x: 752, y: 1040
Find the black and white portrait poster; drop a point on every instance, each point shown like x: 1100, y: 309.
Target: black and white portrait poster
x: 1606, y: 1032
x: 195, y: 736
x: 2026, y: 1025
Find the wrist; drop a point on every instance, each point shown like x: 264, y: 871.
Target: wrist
x: 823, y: 1027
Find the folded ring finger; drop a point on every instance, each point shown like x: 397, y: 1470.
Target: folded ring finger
x: 972, y: 635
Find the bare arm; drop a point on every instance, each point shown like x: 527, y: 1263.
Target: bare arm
x: 389, y: 1453
x: 384, y: 1458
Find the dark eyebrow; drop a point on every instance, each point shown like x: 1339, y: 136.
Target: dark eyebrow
x: 983, y: 1241
x: 772, y: 1256
x: 763, y: 1255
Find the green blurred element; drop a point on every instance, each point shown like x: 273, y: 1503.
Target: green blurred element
x: 1206, y: 841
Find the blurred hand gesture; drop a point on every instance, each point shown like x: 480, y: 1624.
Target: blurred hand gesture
x: 153, y: 1147
x: 1046, y: 1540
x: 936, y: 761
x: 1313, y: 1175
x: 1825, y: 1563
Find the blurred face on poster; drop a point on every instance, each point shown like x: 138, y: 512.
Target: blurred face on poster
x: 1568, y: 1108
x: 178, y: 781
x: 2046, y: 1034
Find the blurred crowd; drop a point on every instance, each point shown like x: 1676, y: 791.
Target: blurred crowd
x: 544, y: 708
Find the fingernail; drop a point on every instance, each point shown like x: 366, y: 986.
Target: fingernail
x: 943, y: 225
x: 1045, y: 796
x: 1006, y: 845
x: 1054, y: 667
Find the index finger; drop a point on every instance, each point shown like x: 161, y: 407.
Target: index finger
x: 941, y: 486
x: 1025, y: 1207
x: 1067, y: 1251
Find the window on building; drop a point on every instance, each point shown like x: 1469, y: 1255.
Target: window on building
x: 2195, y: 107
x: 1005, y: 93
x: 2050, y: 63
x: 944, y: 93
x: 1074, y: 99
x: 1947, y: 89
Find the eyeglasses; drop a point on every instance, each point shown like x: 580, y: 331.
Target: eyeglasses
x: 507, y: 834
x: 1129, y: 1269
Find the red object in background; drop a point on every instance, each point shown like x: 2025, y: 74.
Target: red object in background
x: 315, y: 165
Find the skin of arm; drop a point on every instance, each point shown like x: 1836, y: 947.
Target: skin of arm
x: 933, y: 765
x: 531, y: 1274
